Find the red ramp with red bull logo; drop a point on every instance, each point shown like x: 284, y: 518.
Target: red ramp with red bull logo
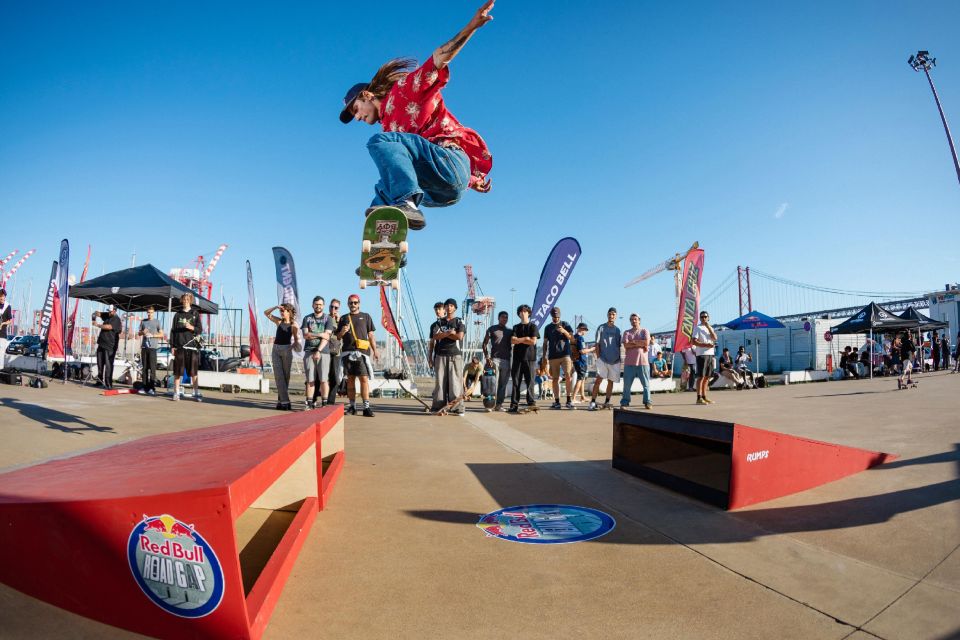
x: 144, y: 535
x: 726, y: 464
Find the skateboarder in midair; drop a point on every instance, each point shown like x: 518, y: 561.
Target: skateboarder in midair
x: 424, y: 155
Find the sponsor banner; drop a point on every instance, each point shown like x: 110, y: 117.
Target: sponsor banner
x: 73, y: 315
x: 175, y: 567
x: 63, y: 289
x: 286, y: 280
x: 546, y: 524
x: 47, y: 312
x: 55, y: 331
x: 386, y: 317
x: 554, y: 276
x: 256, y: 357
x: 687, y: 316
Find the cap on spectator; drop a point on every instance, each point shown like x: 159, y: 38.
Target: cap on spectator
x: 582, y: 325
x: 451, y: 301
x: 353, y: 296
x: 555, y: 311
x: 613, y: 309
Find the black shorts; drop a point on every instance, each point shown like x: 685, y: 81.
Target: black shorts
x: 185, y: 360
x: 705, y: 366
x: 355, y: 366
x: 581, y: 369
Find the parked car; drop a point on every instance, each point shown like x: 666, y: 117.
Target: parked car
x: 25, y: 345
x: 164, y: 357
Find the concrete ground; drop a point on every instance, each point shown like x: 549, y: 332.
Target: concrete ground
x: 396, y: 554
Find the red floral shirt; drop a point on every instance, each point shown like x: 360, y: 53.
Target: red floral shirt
x: 414, y: 105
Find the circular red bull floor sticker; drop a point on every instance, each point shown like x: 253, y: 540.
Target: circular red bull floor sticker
x: 176, y: 568
x: 547, y: 524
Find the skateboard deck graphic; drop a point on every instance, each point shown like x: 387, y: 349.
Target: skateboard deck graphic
x: 384, y: 243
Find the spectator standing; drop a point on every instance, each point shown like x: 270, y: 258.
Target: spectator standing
x: 316, y: 328
x: 704, y: 343
x: 524, y: 341
x: 109, y: 325
x: 6, y: 319
x: 907, y: 349
x: 608, y: 345
x: 579, y: 352
x: 285, y: 343
x: 185, y: 345
x: 636, y: 361
x: 334, y: 345
x: 945, y: 351
x: 449, y: 360
x: 431, y: 354
x: 496, y: 346
x: 935, y: 350
x: 149, y: 333
x: 558, y: 338
x: 356, y: 330
x: 690, y: 366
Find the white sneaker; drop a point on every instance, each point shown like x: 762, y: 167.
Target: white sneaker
x: 593, y: 406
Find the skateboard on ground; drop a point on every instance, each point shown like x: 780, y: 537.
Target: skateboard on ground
x: 426, y: 407
x: 530, y: 408
x: 907, y: 385
x: 384, y: 243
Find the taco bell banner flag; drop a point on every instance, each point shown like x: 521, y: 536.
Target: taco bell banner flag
x: 689, y: 300
x: 286, y: 280
x: 556, y: 272
x: 256, y: 357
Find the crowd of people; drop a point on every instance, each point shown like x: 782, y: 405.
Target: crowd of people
x: 900, y: 356
x: 339, y: 351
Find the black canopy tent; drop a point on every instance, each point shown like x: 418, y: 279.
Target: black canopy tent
x: 137, y: 288
x: 873, y: 319
x: 923, y: 322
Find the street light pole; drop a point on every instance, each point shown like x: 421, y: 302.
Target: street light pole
x: 922, y: 60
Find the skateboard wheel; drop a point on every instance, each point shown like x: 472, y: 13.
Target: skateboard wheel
x: 403, y: 246
x: 363, y: 283
x: 366, y: 246
x: 395, y: 284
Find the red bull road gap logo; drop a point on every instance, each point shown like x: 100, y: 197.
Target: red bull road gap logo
x: 175, y: 567
x: 546, y: 524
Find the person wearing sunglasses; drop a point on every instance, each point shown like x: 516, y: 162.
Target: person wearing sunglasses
x: 356, y: 330
x: 704, y: 341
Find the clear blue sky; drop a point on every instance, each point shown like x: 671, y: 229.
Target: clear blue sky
x: 792, y: 139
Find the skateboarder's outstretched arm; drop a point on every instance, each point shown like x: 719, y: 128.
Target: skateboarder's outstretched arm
x: 448, y: 51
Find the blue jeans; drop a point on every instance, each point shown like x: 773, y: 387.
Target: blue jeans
x: 630, y: 372
x: 413, y: 168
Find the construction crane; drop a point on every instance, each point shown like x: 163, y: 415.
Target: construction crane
x: 482, y: 308
x: 198, y: 276
x: 674, y: 264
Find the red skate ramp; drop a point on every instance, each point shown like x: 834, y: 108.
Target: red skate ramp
x: 144, y: 535
x: 725, y: 464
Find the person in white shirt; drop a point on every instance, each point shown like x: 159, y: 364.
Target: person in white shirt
x: 704, y: 341
x: 743, y: 361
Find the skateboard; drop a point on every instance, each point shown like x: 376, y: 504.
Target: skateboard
x: 445, y: 409
x: 426, y: 407
x: 907, y: 385
x: 488, y: 387
x: 530, y: 408
x: 384, y: 243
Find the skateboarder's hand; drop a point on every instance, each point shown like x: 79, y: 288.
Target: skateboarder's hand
x: 482, y: 16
